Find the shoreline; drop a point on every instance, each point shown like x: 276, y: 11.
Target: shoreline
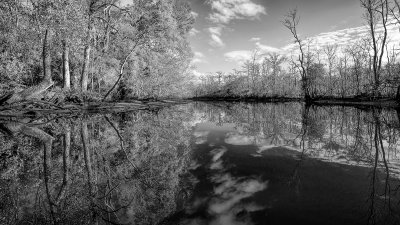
x: 26, y: 110
x: 351, y: 102
x: 133, y: 105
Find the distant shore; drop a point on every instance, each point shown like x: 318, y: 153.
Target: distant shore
x: 326, y: 101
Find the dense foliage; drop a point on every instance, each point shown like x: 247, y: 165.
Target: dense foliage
x: 136, y: 50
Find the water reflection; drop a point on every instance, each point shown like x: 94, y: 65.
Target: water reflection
x: 203, y: 164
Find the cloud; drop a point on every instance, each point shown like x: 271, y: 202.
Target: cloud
x: 197, y: 76
x: 194, y: 14
x: 238, y: 57
x: 215, y: 30
x: 198, y: 55
x: 345, y: 37
x: 197, y: 61
x: 198, y: 58
x: 255, y: 39
x: 216, y: 41
x: 197, y: 73
x: 215, y: 35
x: 224, y: 11
x: 193, y: 32
x: 241, y: 56
x: 266, y: 49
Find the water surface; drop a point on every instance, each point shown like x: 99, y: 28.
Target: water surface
x: 215, y: 163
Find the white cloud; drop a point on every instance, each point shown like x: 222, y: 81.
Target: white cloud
x: 241, y: 56
x: 194, y: 14
x: 198, y: 55
x: 215, y: 35
x: 198, y: 58
x: 216, y: 41
x: 238, y: 57
x: 197, y: 76
x: 345, y: 37
x: 193, y: 32
x: 266, y: 49
x: 224, y: 11
x: 197, y: 73
x: 215, y: 30
x: 255, y: 39
x: 197, y: 61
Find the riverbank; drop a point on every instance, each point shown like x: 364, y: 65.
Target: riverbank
x: 38, y: 108
x: 354, y: 102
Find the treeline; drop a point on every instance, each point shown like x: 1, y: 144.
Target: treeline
x: 367, y: 68
x: 99, y: 48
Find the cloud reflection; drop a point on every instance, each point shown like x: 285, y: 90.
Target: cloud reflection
x: 226, y: 205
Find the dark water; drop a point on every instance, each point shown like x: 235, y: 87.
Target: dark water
x: 203, y: 164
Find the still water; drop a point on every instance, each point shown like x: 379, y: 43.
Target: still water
x: 218, y: 164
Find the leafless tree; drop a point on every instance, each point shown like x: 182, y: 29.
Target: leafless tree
x: 376, y: 14
x: 291, y: 22
x: 330, y: 52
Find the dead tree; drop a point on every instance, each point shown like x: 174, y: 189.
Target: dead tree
x: 291, y: 22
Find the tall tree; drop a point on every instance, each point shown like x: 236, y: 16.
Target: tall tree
x: 330, y: 52
x: 376, y: 14
x: 291, y: 22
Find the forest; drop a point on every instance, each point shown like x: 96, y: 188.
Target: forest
x: 364, y: 70
x: 106, y: 50
x: 93, y: 50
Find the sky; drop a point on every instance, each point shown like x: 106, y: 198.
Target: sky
x: 227, y: 31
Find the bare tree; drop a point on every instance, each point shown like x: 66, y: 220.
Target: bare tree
x: 357, y: 55
x: 291, y: 22
x: 376, y: 13
x: 275, y: 61
x: 395, y: 12
x: 330, y: 52
x: 342, y: 67
x: 253, y: 68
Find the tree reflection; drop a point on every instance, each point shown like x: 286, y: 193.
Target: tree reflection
x: 344, y: 136
x: 383, y: 205
x: 90, y: 166
x: 138, y: 167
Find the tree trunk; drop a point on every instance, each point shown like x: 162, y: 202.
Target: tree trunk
x: 121, y: 71
x: 66, y: 71
x: 47, y: 56
x: 66, y: 165
x: 305, y: 87
x: 86, y: 62
x: 84, y: 76
x: 35, y: 91
x: 87, y: 156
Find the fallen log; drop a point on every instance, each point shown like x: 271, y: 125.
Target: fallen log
x: 34, y: 91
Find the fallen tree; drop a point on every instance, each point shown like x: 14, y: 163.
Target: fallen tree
x: 35, y: 91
